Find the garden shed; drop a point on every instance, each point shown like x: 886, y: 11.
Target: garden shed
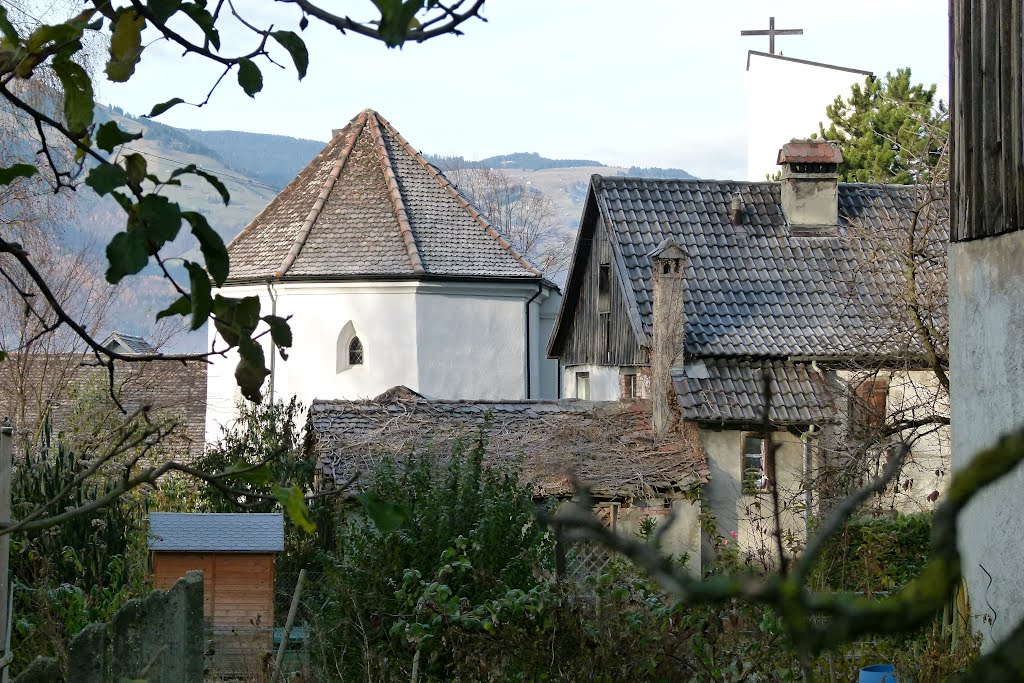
x: 236, y: 553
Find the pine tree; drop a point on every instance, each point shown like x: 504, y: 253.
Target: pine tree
x: 889, y: 130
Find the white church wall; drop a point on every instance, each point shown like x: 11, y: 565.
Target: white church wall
x: 549, y: 370
x: 444, y: 340
x: 786, y: 99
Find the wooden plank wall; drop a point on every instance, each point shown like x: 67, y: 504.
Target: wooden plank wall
x: 987, y: 98
x: 587, y: 342
x: 238, y: 587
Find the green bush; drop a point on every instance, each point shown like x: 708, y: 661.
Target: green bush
x: 875, y: 554
x: 449, y: 535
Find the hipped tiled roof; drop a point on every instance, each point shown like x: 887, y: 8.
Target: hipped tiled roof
x: 609, y: 446
x: 720, y: 390
x: 369, y: 204
x: 756, y: 289
x: 252, y: 532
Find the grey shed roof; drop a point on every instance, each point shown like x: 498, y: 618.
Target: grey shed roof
x: 371, y: 205
x: 756, y: 290
x: 128, y: 344
x: 246, y: 532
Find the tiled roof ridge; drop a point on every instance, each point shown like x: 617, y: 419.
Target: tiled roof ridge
x: 356, y: 129
x: 458, y: 197
x: 290, y: 187
x: 328, y: 402
x: 609, y: 179
x: 408, y: 239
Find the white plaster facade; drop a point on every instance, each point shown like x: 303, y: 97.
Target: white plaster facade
x: 786, y: 99
x: 443, y: 339
x: 986, y: 320
x: 605, y: 381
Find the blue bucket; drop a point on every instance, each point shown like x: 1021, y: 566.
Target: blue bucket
x: 878, y: 673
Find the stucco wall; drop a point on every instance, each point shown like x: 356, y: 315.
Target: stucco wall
x: 780, y: 110
x: 682, y: 537
x: 986, y: 311
x: 604, y: 382
x: 444, y: 340
x: 749, y: 515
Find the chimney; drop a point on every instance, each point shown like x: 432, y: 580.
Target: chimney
x: 736, y: 211
x: 810, y: 185
x: 668, y: 261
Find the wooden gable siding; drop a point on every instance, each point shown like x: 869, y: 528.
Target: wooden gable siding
x: 987, y: 115
x: 601, y: 338
x: 238, y: 587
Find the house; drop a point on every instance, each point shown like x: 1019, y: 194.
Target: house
x: 986, y: 300
x: 786, y: 98
x: 608, y: 447
x: 70, y: 390
x: 696, y: 293
x: 236, y: 553
x: 389, y: 276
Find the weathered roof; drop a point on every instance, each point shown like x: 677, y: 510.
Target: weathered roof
x: 606, y: 445
x: 371, y: 205
x: 810, y: 152
x: 251, y: 532
x: 756, y: 289
x: 720, y: 390
x: 128, y: 344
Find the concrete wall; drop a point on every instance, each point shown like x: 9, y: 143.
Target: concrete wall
x: 444, y: 340
x: 986, y: 310
x: 786, y: 100
x: 749, y: 516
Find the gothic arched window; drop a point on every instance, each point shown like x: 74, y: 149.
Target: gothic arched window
x: 355, y: 352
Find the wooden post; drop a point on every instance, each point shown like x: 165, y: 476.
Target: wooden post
x: 288, y: 626
x: 6, y: 603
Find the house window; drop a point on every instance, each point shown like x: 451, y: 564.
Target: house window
x: 355, y: 352
x: 604, y: 288
x: 868, y: 408
x: 754, y: 478
x: 583, y: 385
x: 628, y: 386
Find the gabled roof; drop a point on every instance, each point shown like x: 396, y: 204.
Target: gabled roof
x: 122, y: 342
x: 371, y: 205
x: 720, y: 390
x: 252, y: 532
x: 754, y: 289
x: 607, y: 445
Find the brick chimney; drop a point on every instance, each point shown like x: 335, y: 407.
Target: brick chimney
x: 810, y: 185
x: 668, y: 262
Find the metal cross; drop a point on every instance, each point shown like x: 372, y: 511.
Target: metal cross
x: 772, y: 32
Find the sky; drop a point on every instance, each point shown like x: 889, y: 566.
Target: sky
x: 637, y: 82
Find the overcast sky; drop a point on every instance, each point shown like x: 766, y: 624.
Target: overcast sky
x: 637, y: 82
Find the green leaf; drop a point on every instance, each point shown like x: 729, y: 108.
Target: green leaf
x: 135, y: 166
x: 162, y: 10
x: 164, y: 106
x: 182, y: 306
x: 78, y: 96
x: 202, y: 301
x: 7, y: 28
x: 249, y: 77
x: 396, y: 18
x: 280, y: 331
x: 109, y: 136
x: 251, y: 369
x: 10, y: 173
x: 125, y: 45
x: 126, y: 255
x: 243, y: 471
x: 105, y: 178
x: 385, y: 515
x: 203, y: 19
x: 159, y: 220
x: 236, y: 319
x: 208, y: 177
x: 296, y: 48
x: 212, y: 246
x: 294, y: 504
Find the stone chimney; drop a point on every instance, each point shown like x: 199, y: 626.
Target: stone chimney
x: 810, y: 185
x: 668, y: 261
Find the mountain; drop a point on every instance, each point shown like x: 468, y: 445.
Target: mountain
x: 272, y: 159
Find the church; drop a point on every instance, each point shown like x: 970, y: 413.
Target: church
x: 389, y: 276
